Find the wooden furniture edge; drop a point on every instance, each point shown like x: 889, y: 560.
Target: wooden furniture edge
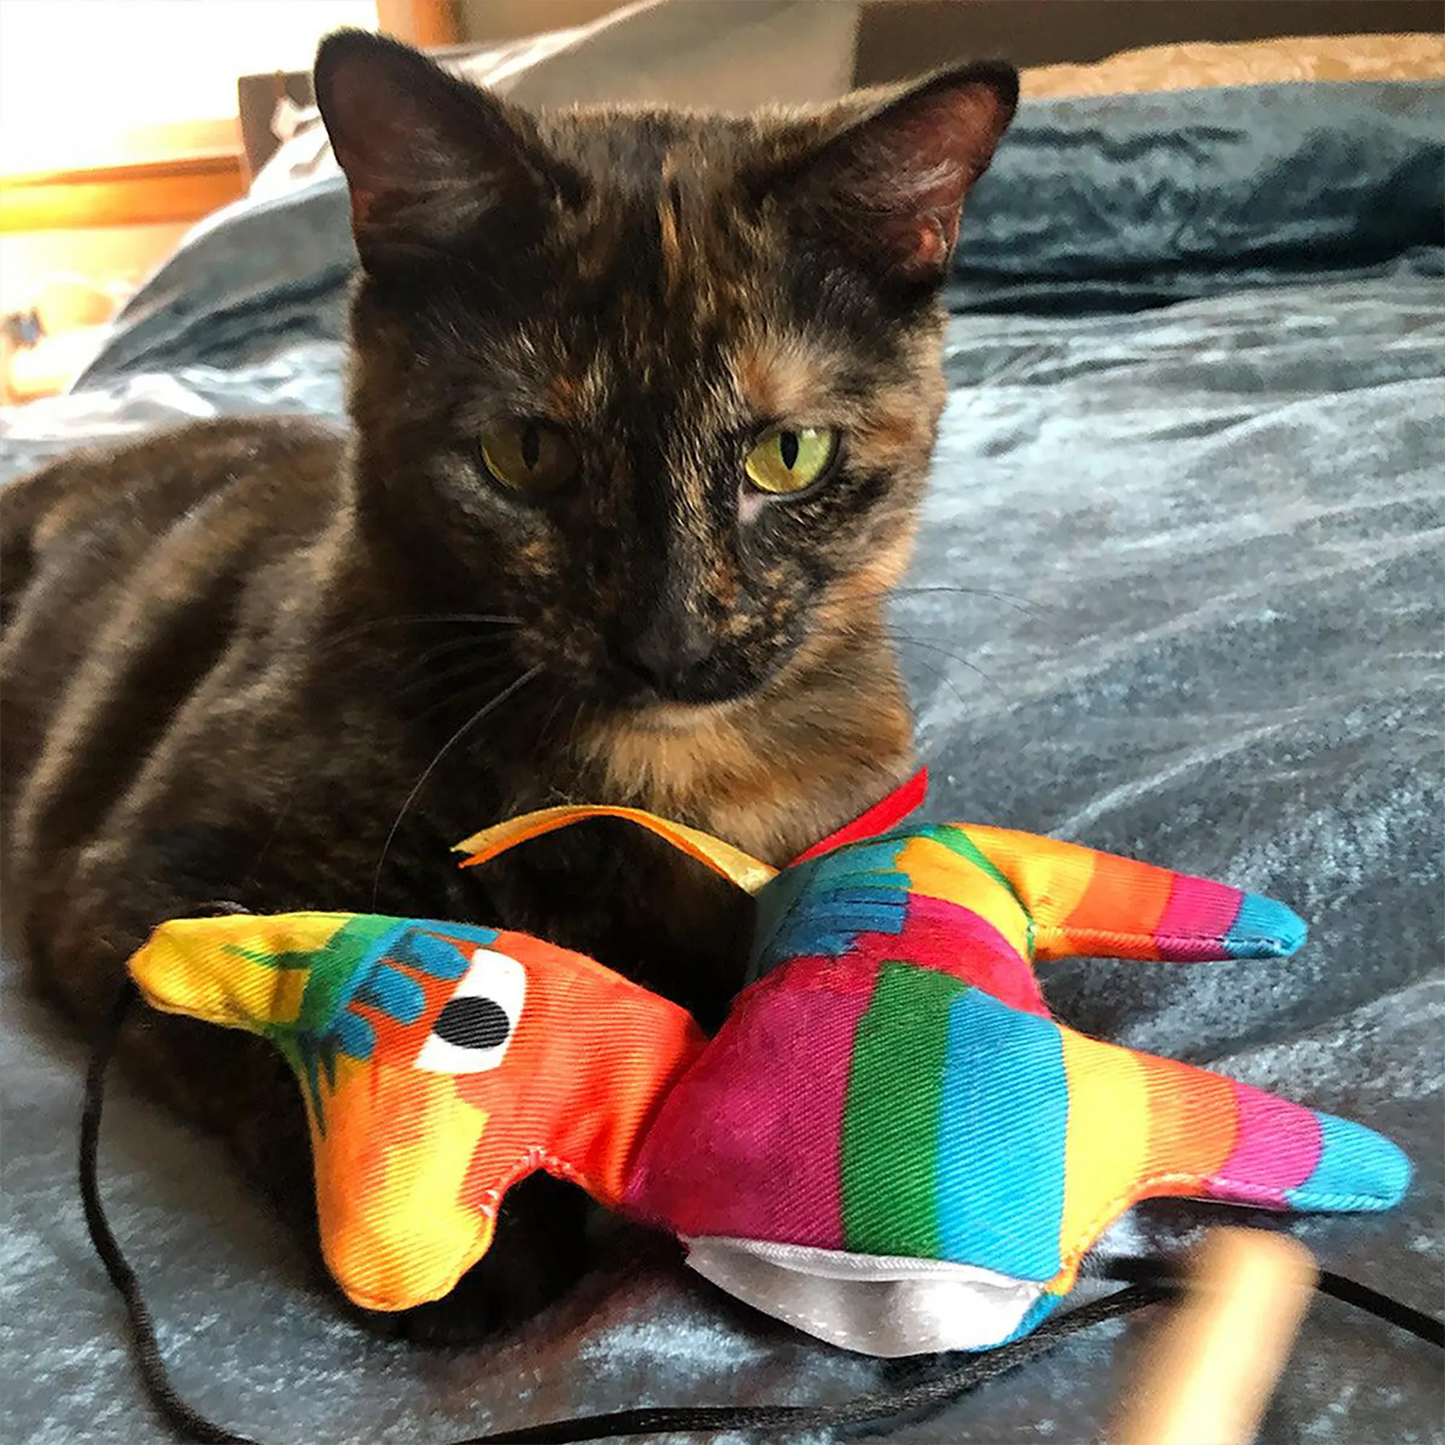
x: 422, y: 23
x: 136, y: 193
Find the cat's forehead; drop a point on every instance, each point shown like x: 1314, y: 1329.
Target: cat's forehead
x: 625, y: 150
x: 709, y: 359
x: 665, y: 296
x: 665, y: 285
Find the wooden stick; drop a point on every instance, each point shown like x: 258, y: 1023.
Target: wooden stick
x: 1207, y: 1376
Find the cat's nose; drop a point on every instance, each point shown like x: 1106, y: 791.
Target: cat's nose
x: 666, y: 654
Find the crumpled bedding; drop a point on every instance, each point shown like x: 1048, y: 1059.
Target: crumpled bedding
x: 1177, y: 594
x: 1195, y: 65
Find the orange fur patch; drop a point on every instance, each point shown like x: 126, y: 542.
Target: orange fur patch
x: 783, y: 377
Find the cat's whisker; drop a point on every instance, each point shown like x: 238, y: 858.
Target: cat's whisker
x: 477, y: 619
x: 482, y: 712
x: 586, y: 705
x: 907, y: 641
x: 463, y: 687
x: 478, y: 656
x: 457, y: 644
x: 941, y: 674
x: 545, y: 730
x: 1023, y: 604
x: 407, y: 619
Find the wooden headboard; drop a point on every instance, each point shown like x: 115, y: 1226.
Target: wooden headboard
x: 898, y: 39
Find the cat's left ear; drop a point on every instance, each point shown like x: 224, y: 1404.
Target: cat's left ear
x: 890, y: 184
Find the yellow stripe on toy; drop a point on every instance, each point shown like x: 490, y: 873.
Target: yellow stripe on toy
x: 936, y: 870
x: 242, y: 970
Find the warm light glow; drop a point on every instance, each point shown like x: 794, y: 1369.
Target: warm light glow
x: 80, y: 78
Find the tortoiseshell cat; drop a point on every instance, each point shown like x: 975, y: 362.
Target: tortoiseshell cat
x: 642, y: 407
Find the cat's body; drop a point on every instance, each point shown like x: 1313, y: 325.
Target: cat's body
x: 254, y: 661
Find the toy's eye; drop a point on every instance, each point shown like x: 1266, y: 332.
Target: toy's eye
x: 473, y: 1030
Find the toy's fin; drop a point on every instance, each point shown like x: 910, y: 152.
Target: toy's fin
x: 732, y: 863
x: 243, y: 970
x: 1084, y: 903
x: 1143, y: 1127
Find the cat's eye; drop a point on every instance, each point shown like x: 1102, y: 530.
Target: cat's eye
x: 791, y: 459
x: 475, y: 1026
x: 529, y: 457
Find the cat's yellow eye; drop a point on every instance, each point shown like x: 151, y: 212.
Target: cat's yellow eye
x: 791, y: 459
x: 528, y: 456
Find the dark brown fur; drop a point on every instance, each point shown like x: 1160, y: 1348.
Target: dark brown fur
x: 231, y: 651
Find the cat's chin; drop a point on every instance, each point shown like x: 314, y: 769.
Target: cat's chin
x: 680, y: 717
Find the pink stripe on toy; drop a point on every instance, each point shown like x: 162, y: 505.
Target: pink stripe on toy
x: 761, y: 1117
x: 1196, y: 919
x: 1277, y: 1149
x: 951, y: 939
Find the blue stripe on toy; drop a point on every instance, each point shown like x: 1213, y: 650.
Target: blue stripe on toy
x: 878, y: 860
x: 1004, y: 1114
x: 439, y: 957
x: 820, y: 907
x: 353, y: 1036
x: 1357, y: 1169
x: 394, y: 993
x: 832, y: 937
x: 1263, y: 929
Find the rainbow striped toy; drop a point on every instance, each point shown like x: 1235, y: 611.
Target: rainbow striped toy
x: 890, y: 1143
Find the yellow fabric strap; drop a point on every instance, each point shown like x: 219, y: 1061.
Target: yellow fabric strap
x: 747, y: 872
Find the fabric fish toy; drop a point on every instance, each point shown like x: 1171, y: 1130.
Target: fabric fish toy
x: 890, y: 1143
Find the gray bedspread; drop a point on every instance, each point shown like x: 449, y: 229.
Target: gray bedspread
x: 1178, y: 594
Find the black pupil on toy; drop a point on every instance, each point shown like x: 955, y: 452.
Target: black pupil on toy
x: 473, y: 1023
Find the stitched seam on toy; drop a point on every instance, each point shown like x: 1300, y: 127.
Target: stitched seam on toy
x: 1073, y: 938
x: 1070, y: 1259
x: 531, y: 1158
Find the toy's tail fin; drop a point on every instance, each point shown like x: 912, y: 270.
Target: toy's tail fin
x: 1046, y: 1136
x: 992, y: 1136
x: 1144, y: 1127
x: 1084, y: 903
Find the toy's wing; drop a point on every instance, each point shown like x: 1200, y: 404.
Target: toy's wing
x: 983, y: 904
x: 1080, y: 902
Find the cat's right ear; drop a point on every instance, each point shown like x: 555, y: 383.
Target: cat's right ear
x: 430, y: 160
x: 889, y: 183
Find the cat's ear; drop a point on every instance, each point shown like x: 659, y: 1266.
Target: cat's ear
x: 890, y: 183
x: 427, y: 157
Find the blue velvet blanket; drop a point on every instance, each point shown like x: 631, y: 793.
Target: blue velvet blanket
x: 1178, y: 594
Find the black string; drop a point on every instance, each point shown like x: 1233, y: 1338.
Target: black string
x: 871, y: 1409
x: 1385, y: 1307
x: 187, y: 1422
x: 1147, y: 1281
